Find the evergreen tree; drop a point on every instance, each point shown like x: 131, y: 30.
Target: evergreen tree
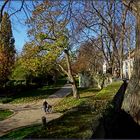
x: 7, y: 49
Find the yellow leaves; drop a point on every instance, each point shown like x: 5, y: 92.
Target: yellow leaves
x: 50, y: 34
x: 32, y: 64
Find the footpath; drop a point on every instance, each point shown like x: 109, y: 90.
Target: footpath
x: 31, y: 113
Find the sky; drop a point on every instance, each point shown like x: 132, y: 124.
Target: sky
x: 19, y: 28
x: 20, y: 35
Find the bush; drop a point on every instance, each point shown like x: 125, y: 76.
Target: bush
x: 10, y: 82
x: 6, y: 100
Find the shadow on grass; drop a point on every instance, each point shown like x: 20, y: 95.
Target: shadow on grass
x: 75, y: 123
x: 88, y: 89
x: 36, y: 92
x: 87, y: 97
x: 116, y: 123
x: 44, y: 91
x: 20, y: 133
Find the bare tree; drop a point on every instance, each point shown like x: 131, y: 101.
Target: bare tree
x: 103, y: 19
x: 89, y: 57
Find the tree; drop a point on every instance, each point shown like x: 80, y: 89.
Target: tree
x: 89, y: 64
x: 89, y: 57
x: 7, y: 49
x: 48, y: 29
x: 131, y: 102
x: 105, y: 20
x: 34, y: 61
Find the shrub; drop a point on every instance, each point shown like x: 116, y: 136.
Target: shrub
x: 10, y: 83
x: 6, y: 100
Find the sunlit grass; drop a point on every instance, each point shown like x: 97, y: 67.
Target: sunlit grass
x: 109, y: 91
x: 69, y: 102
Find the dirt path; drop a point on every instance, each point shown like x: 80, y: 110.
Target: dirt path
x: 31, y: 113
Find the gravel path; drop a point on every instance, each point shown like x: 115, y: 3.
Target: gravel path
x: 31, y: 113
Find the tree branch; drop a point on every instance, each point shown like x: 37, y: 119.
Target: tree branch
x: 130, y: 5
x: 63, y: 69
x: 18, y: 9
x: 2, y: 9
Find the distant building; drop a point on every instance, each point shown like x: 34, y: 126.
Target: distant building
x: 104, y: 67
x: 128, y: 64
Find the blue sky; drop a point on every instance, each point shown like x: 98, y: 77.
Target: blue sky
x: 19, y: 28
x: 20, y: 35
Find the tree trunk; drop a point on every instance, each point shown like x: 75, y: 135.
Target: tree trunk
x: 74, y: 90
x: 71, y: 78
x: 131, y: 103
x: 121, y: 69
x: 121, y: 54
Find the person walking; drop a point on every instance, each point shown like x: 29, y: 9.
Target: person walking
x: 45, y: 106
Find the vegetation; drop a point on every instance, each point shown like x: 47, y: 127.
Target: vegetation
x: 4, y: 114
x: 80, y: 116
x: 22, y: 132
x: 5, y: 100
x: 7, y: 50
x: 34, y: 94
x: 51, y: 42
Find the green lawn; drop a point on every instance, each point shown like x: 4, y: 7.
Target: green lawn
x: 21, y: 132
x: 79, y: 119
x: 36, y: 94
x: 4, y: 114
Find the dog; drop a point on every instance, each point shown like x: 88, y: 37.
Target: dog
x: 49, y: 108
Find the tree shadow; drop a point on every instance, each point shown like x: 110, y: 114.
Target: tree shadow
x: 88, y: 89
x: 116, y: 123
x: 118, y: 98
x: 36, y: 93
x: 87, y: 97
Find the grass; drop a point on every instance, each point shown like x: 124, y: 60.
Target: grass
x: 70, y: 102
x: 109, y: 92
x: 74, y: 124
x: 36, y: 94
x: 21, y: 132
x: 79, y: 119
x: 4, y: 114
